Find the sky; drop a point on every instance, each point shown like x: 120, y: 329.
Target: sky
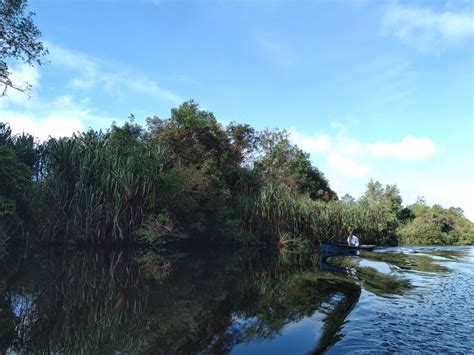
x: 380, y: 90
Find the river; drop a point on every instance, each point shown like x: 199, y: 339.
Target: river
x: 237, y: 301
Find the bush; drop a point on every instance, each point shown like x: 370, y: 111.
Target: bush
x: 437, y: 225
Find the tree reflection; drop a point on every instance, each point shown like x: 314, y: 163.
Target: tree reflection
x: 196, y: 301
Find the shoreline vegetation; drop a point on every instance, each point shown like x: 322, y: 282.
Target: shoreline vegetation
x: 187, y: 179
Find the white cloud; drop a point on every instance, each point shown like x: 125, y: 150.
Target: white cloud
x: 350, y: 162
x: 87, y: 65
x: 427, y: 29
x: 56, y: 117
x: 448, y: 191
x: 19, y: 122
x: 347, y: 166
x: 58, y: 121
x: 350, y: 147
x: 60, y: 126
x: 115, y: 80
x: 61, y: 115
x: 21, y: 75
x: 349, y: 158
x: 52, y: 126
x: 25, y: 74
x: 150, y: 87
x: 409, y: 148
x: 312, y: 144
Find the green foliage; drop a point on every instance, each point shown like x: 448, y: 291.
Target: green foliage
x: 244, y: 140
x: 157, y: 229
x: 193, y: 137
x: 277, y: 212
x: 187, y: 178
x: 100, y: 193
x: 348, y: 199
x: 284, y: 164
x: 15, y: 182
x: 196, y: 202
x: 387, y: 202
x: 437, y: 225
x: 288, y: 242
x: 15, y: 178
x: 154, y: 266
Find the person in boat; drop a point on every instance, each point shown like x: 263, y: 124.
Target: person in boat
x: 352, y: 239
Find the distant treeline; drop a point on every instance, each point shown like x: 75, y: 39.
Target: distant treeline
x: 187, y: 178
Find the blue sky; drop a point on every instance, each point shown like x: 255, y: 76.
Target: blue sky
x: 372, y: 89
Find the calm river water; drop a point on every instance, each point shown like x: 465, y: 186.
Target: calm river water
x: 237, y: 301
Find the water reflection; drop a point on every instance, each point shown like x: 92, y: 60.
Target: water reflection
x: 195, y: 301
x: 72, y: 303
x: 325, y: 265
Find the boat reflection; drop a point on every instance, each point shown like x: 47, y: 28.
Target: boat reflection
x: 324, y: 265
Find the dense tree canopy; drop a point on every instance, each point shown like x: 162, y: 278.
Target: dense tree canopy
x: 283, y: 163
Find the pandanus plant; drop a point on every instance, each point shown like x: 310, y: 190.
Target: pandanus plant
x: 99, y: 194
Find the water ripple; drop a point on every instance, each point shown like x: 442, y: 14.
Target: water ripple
x: 437, y: 316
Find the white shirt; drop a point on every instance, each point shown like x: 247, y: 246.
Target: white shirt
x: 353, y: 241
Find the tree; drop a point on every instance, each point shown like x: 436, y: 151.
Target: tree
x: 202, y: 165
x: 377, y: 194
x: 19, y: 39
x: 391, y: 195
x: 420, y: 200
x: 244, y: 140
x: 193, y: 137
x: 347, y: 199
x: 283, y: 163
x: 388, y: 204
x: 373, y: 194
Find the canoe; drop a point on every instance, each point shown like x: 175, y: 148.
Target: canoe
x: 341, y: 249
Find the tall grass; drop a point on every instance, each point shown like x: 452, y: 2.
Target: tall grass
x: 280, y: 214
x: 94, y: 192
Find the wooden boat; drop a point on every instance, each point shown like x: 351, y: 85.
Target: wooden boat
x: 340, y: 249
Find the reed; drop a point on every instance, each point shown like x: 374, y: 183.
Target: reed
x: 287, y: 218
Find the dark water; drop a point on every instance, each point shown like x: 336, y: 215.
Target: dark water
x: 242, y: 302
